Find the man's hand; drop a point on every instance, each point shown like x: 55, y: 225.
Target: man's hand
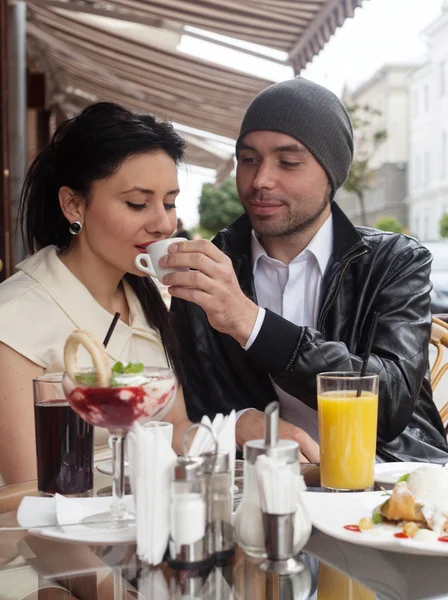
x: 213, y: 285
x: 250, y: 426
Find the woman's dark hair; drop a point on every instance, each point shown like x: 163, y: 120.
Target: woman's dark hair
x: 92, y: 146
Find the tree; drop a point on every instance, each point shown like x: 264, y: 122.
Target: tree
x: 367, y: 139
x: 389, y: 224
x: 219, y: 206
x: 444, y: 226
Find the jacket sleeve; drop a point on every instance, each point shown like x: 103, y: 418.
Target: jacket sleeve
x: 294, y: 355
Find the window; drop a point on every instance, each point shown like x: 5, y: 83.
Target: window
x: 418, y: 172
x: 444, y: 155
x: 415, y: 103
x: 442, y: 79
x: 415, y: 225
x: 426, y: 98
x: 427, y: 167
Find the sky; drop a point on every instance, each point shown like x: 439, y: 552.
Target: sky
x: 381, y: 32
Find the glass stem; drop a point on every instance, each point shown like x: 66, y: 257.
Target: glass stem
x: 118, y: 507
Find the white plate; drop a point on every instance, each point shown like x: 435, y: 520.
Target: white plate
x: 105, y: 467
x: 390, y: 473
x: 331, y: 512
x: 38, y: 515
x: 390, y: 576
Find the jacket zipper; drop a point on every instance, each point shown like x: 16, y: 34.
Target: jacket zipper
x: 330, y: 304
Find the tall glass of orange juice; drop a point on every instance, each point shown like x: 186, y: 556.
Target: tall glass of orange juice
x: 347, y: 406
x: 334, y: 585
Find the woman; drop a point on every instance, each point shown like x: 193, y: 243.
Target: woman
x: 94, y: 198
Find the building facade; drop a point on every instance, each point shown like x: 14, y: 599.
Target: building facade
x: 386, y: 93
x: 428, y: 167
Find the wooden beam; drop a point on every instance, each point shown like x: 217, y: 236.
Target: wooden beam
x: 5, y: 224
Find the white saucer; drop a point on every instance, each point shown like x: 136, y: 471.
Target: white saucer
x: 390, y: 473
x: 38, y: 516
x: 105, y: 467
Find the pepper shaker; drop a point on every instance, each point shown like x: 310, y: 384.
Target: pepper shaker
x: 216, y: 468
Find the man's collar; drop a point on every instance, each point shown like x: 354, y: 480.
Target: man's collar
x: 235, y: 239
x: 321, y: 246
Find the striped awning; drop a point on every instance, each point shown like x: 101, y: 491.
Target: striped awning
x: 126, y: 51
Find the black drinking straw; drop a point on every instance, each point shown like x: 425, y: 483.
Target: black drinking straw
x: 368, y: 349
x: 111, y: 329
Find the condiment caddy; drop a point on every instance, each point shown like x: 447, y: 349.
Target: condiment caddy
x: 271, y: 521
x: 201, y: 532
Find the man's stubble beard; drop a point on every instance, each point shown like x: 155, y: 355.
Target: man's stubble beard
x: 292, y: 225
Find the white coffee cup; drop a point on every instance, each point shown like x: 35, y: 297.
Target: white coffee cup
x: 149, y: 261
x: 166, y: 429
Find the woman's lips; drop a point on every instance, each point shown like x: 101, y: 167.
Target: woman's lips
x: 144, y: 246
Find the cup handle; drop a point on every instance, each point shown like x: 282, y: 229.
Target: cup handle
x: 143, y: 262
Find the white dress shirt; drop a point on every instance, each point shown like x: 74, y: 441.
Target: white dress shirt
x: 294, y: 292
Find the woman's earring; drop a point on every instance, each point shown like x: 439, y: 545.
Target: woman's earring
x: 75, y: 227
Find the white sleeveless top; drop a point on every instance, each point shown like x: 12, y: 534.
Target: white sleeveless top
x: 44, y: 302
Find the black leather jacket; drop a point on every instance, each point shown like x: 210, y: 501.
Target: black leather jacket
x: 369, y: 271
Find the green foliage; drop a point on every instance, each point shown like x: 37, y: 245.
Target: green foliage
x: 444, y: 226
x: 389, y: 224
x: 367, y: 140
x: 219, y: 206
x: 199, y: 231
x: 359, y: 177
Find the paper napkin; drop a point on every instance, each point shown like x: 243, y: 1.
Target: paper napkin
x: 151, y: 463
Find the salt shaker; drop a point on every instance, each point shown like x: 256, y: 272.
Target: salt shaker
x: 216, y: 468
x: 188, y: 546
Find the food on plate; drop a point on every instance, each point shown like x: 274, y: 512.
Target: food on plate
x: 419, y: 501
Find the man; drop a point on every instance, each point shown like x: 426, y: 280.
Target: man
x: 289, y: 290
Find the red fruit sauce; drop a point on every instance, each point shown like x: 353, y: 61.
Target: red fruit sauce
x: 114, y: 408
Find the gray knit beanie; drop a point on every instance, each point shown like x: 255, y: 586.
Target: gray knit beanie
x: 312, y: 115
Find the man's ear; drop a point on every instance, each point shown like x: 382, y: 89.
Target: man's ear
x: 72, y: 205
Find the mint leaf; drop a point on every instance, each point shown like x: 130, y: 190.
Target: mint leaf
x: 118, y: 368
x: 134, y: 368
x: 86, y: 379
x: 116, y: 380
x: 376, y: 518
x: 403, y: 478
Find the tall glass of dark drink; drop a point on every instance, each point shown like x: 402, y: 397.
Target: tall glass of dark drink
x: 64, y: 441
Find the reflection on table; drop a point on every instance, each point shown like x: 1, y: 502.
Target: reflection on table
x: 332, y: 570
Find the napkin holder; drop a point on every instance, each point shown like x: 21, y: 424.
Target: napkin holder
x: 279, y: 541
x: 278, y: 465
